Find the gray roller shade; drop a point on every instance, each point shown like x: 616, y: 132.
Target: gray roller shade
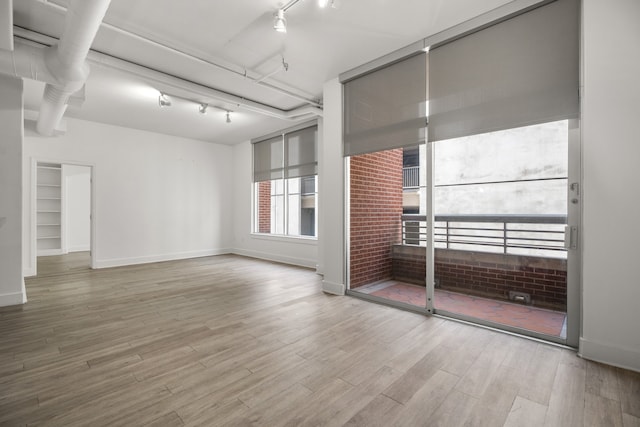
x: 301, y: 153
x: 288, y: 155
x: 518, y: 72
x: 268, y: 161
x: 385, y: 109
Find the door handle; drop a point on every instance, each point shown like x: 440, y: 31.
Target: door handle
x: 571, y: 237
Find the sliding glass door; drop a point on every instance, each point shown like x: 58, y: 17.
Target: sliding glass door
x: 387, y: 243
x: 501, y: 246
x: 503, y: 182
x: 478, y: 217
x: 500, y: 203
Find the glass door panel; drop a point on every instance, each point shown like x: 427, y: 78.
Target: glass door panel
x: 500, y: 213
x: 387, y: 226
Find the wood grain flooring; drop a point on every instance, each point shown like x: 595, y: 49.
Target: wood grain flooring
x: 228, y: 340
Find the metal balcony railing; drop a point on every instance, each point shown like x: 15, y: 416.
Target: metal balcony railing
x: 411, y: 177
x: 538, y: 235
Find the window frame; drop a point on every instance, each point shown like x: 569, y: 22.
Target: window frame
x: 255, y: 227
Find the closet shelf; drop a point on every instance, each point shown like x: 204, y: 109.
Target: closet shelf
x: 49, y: 208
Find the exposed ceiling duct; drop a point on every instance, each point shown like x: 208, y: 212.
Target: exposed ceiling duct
x: 67, y: 60
x: 27, y: 61
x: 250, y: 75
x: 64, y: 68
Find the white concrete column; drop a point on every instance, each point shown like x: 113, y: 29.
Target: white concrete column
x: 610, y: 150
x: 12, y: 289
x: 331, y: 238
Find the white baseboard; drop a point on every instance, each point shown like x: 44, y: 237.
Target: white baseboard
x: 605, y: 353
x: 301, y: 262
x: 119, y: 262
x: 333, y: 288
x: 50, y: 252
x: 15, y: 298
x: 79, y: 248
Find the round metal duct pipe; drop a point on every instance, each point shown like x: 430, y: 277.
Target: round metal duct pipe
x: 67, y: 62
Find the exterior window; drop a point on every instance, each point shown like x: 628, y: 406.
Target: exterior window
x: 285, y: 184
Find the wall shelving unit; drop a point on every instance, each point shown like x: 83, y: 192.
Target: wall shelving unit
x: 49, y: 209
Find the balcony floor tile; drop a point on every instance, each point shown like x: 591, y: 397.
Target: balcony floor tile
x: 517, y: 315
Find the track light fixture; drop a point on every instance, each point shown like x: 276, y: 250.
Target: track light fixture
x: 164, y: 100
x: 280, y: 23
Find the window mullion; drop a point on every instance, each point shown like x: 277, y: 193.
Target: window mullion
x: 285, y: 186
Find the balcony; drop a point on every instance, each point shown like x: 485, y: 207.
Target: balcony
x: 507, y: 257
x: 485, y: 266
x: 411, y: 177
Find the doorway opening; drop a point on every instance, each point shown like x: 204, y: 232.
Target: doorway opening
x: 63, y: 216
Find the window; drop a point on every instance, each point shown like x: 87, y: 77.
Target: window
x: 285, y: 183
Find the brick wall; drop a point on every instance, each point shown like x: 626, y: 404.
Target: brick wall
x: 409, y: 264
x: 494, y: 275
x: 264, y: 207
x: 488, y: 275
x: 376, y: 210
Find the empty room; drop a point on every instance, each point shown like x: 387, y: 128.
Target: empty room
x: 319, y: 212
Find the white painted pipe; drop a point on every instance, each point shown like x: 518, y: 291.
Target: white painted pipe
x: 26, y: 61
x: 67, y: 61
x: 230, y: 68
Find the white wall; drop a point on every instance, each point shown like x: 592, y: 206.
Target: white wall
x: 77, y: 207
x: 289, y: 250
x: 157, y: 197
x: 11, y: 282
x: 611, y: 160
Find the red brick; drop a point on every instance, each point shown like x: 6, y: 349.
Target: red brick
x: 376, y: 210
x: 264, y: 207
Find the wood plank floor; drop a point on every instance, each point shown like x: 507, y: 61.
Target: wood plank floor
x: 229, y: 340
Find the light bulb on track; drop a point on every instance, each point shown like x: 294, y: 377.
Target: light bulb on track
x: 280, y: 23
x: 164, y: 100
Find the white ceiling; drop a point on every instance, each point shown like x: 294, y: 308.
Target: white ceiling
x: 237, y: 34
